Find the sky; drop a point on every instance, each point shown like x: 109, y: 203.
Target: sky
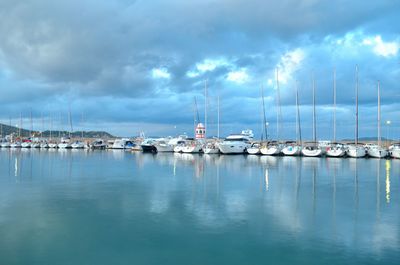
x: 130, y: 66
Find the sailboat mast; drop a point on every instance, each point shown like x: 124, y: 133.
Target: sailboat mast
x: 205, y: 110
x: 278, y: 110
x: 356, y: 129
x: 70, y: 122
x: 82, y: 127
x: 20, y: 125
x: 379, y: 114
x: 314, y: 119
x: 51, y: 124
x: 334, y: 105
x: 31, y: 123
x: 264, y: 118
x: 218, y: 117
x: 298, y: 128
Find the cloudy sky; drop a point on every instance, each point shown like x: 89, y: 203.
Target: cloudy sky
x: 130, y: 66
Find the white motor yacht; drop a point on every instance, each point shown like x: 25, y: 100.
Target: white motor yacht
x: 335, y: 150
x: 78, y: 145
x: 254, y: 149
x: 312, y: 149
x: 164, y: 146
x: 291, y: 149
x: 356, y: 150
x: 123, y: 143
x: 236, y: 143
x: 98, y: 144
x: 377, y: 151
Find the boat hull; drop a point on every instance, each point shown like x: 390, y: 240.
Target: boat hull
x: 271, y: 151
x: 378, y: 153
x: 165, y: 148
x: 253, y: 151
x: 232, y: 149
x: 335, y: 152
x: 211, y: 150
x: 395, y: 153
x: 291, y: 150
x: 148, y: 149
x: 192, y: 149
x: 356, y: 152
x: 312, y: 153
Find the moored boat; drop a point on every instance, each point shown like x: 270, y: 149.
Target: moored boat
x: 335, y: 150
x: 291, y: 149
x: 312, y: 149
x: 254, y: 149
x: 236, y: 143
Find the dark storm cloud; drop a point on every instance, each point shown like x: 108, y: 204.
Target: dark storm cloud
x: 100, y: 57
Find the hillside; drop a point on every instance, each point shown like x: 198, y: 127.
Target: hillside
x: 6, y: 130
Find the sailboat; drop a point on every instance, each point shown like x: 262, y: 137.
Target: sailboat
x: 377, y: 151
x: 335, y: 149
x: 195, y: 145
x: 312, y: 149
x: 254, y: 149
x: 356, y: 150
x: 274, y: 147
x: 66, y: 142
x: 210, y: 147
x: 293, y: 148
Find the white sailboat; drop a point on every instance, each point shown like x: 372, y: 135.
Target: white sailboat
x: 356, y: 150
x: 312, y: 149
x: 210, y: 147
x: 274, y: 148
x: 293, y: 148
x: 394, y: 150
x: 335, y: 149
x: 377, y: 151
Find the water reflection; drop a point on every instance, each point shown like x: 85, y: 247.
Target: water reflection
x: 321, y: 206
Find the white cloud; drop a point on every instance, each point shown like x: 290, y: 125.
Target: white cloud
x: 207, y: 65
x: 239, y: 76
x: 381, y: 48
x: 289, y: 63
x: 160, y: 73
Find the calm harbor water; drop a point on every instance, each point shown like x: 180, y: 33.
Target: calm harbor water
x: 116, y: 207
